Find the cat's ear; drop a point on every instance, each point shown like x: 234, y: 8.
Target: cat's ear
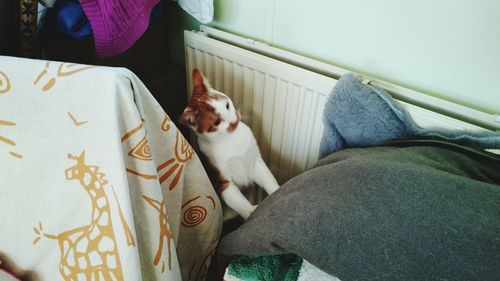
x: 188, y: 117
x: 197, y: 78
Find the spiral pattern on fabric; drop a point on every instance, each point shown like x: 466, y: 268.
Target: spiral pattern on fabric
x: 146, y: 151
x: 142, y: 151
x: 193, y: 216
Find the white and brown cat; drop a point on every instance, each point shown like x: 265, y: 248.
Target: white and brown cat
x: 232, y: 158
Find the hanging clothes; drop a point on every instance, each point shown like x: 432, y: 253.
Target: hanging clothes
x: 70, y: 19
x: 117, y: 24
x: 202, y: 10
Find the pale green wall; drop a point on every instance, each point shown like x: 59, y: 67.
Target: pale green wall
x: 447, y: 48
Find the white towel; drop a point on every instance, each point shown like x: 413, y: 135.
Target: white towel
x: 202, y: 10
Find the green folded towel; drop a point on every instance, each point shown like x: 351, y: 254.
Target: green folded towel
x: 270, y: 268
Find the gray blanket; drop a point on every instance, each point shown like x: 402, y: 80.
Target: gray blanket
x: 359, y: 115
x: 420, y: 211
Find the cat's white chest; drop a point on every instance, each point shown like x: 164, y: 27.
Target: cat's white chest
x: 234, y: 156
x: 241, y: 169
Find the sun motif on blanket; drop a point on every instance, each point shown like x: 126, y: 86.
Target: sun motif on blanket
x: 183, y: 152
x: 90, y: 252
x: 9, y: 142
x: 63, y: 70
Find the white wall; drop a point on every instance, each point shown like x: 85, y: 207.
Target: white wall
x: 446, y: 48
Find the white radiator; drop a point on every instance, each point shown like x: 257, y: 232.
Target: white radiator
x: 282, y: 103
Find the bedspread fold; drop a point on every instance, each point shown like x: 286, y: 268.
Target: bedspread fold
x: 96, y: 182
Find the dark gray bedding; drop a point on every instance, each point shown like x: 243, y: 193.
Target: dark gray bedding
x: 386, y: 213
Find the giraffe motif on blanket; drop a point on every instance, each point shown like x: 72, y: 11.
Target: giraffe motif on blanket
x: 88, y: 252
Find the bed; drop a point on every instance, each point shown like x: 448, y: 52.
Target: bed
x: 415, y: 210
x: 96, y: 181
x: 387, y: 201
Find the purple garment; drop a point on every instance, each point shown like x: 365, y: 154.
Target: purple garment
x: 117, y: 24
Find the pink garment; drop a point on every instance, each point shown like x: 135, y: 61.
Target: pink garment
x: 117, y: 24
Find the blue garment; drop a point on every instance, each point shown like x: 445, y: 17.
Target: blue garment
x: 71, y: 19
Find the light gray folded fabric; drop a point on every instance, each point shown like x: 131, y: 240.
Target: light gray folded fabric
x: 359, y: 115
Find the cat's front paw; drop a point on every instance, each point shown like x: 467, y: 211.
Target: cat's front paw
x: 248, y: 212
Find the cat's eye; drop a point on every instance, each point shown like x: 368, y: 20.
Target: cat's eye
x: 217, y: 122
x: 227, y: 105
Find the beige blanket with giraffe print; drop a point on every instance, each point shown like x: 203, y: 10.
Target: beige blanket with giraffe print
x: 96, y: 182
